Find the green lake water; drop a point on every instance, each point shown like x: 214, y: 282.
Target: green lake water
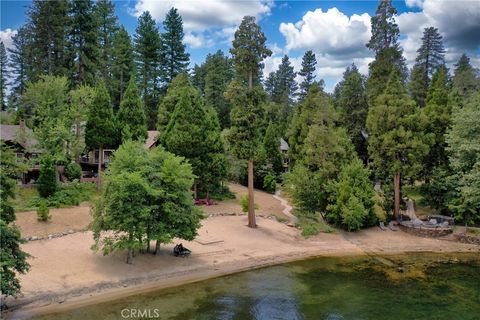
x: 413, y: 286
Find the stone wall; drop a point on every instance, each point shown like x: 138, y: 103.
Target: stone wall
x: 465, y: 238
x: 426, y: 232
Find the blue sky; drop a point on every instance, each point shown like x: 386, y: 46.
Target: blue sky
x: 335, y: 30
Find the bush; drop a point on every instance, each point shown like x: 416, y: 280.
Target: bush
x: 73, y: 171
x: 47, y: 181
x: 270, y: 183
x: 68, y: 195
x: 352, y: 201
x: 43, y: 212
x: 244, y: 203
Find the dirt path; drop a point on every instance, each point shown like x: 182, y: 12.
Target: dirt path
x: 293, y: 220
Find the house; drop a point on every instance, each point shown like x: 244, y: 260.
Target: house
x: 89, y: 161
x: 284, y: 148
x: 23, y: 142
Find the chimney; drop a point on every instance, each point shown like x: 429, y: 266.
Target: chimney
x: 22, y: 124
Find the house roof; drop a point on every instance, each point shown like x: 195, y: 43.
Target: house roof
x: 151, y: 139
x: 13, y: 133
x: 283, y: 145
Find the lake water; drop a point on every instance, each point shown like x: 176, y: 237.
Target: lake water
x: 413, y: 286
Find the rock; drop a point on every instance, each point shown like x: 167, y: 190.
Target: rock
x: 33, y: 238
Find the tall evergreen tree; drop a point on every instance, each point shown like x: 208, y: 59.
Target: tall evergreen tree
x: 271, y: 145
x: 437, y: 113
x: 49, y: 24
x: 431, y: 55
x: 131, y: 115
x: 193, y: 134
x: 13, y: 258
x: 101, y: 130
x: 218, y: 76
x: 123, y: 66
x: 285, y: 86
x: 396, y: 143
x: 173, y: 48
x: 167, y: 106
x: 148, y: 60
x: 309, y: 62
x: 4, y: 75
x: 388, y: 54
x: 20, y: 61
x: 351, y: 102
x: 82, y: 43
x: 107, y: 23
x: 465, y: 81
x: 248, y: 51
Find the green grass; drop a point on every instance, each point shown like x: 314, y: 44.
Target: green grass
x: 474, y: 231
x: 67, y: 195
x: 23, y: 199
x: 311, y: 224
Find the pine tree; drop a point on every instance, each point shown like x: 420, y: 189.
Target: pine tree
x: 285, y: 86
x: 13, y: 258
x: 47, y: 179
x: 173, y: 48
x: 271, y: 145
x: 307, y: 72
x: 49, y: 23
x: 417, y: 85
x: 248, y: 51
x: 193, y: 134
x: 396, y: 143
x: 351, y: 102
x: 107, y: 23
x: 219, y: 73
x: 388, y: 54
x: 167, y: 106
x: 4, y: 75
x: 101, y: 130
x: 20, y: 62
x: 122, y: 65
x: 131, y: 115
x: 465, y: 82
x: 316, y: 109
x: 431, y: 55
x: 147, y: 46
x: 83, y: 47
x: 438, y: 113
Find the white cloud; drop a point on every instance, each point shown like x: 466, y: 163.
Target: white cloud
x: 337, y: 40
x: 6, y: 37
x: 209, y: 20
x: 329, y: 32
x: 457, y: 22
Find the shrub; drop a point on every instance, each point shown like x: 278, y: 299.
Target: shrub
x: 43, y: 212
x: 352, y: 199
x: 244, y: 203
x: 270, y: 183
x: 67, y: 195
x: 73, y: 171
x: 47, y: 181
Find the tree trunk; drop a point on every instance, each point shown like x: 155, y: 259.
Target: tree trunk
x: 99, y: 177
x: 250, y: 80
x: 130, y: 250
x: 396, y: 186
x: 157, y: 247
x: 195, y: 190
x: 251, y: 200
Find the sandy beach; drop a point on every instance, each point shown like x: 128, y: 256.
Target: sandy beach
x: 65, y: 273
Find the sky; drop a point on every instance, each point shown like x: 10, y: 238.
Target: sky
x: 336, y: 31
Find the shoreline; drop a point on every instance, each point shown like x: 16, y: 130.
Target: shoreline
x: 211, y: 263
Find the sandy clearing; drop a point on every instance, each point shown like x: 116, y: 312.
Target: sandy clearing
x: 66, y: 273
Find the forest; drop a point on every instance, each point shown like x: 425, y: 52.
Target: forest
x: 82, y: 82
